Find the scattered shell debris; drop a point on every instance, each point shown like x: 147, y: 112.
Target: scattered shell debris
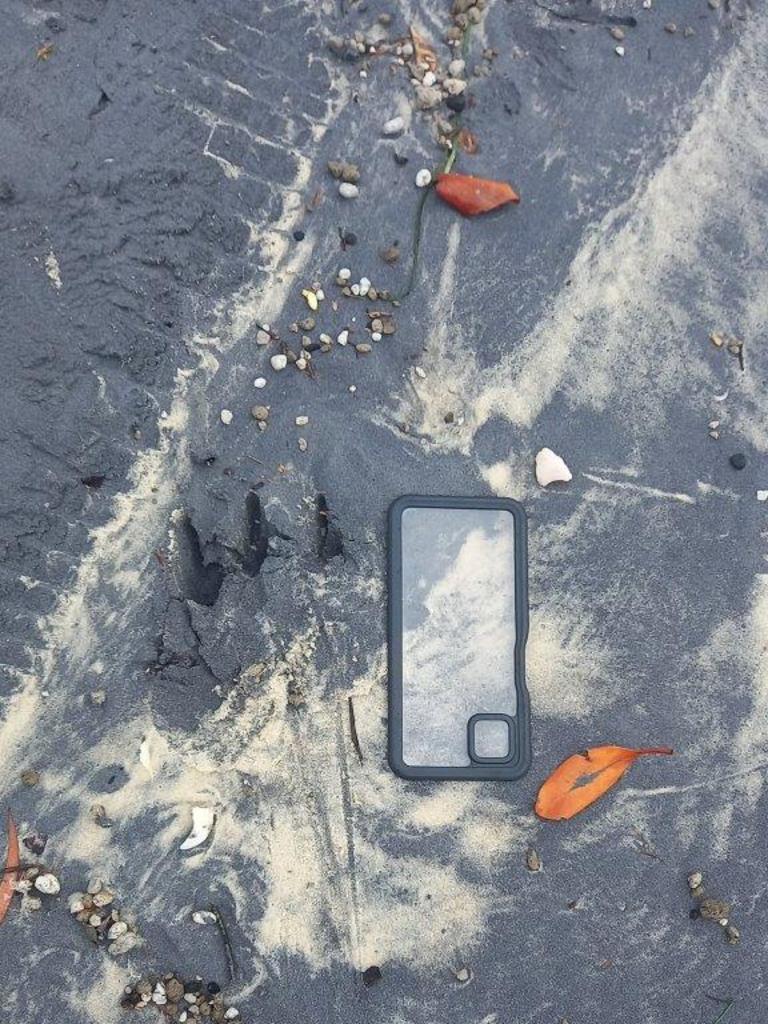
x: 103, y: 920
x: 179, y: 1000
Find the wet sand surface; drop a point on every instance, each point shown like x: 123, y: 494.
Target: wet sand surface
x: 226, y: 589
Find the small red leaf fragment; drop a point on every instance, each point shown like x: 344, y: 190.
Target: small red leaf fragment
x: 11, y: 868
x: 582, y: 778
x: 470, y: 195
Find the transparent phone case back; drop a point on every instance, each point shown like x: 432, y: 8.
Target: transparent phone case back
x: 458, y: 618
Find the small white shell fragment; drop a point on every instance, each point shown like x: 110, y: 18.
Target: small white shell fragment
x: 279, y: 361
x: 302, y: 421
x: 345, y: 273
x: 310, y: 298
x: 423, y: 177
x: 145, y: 756
x: 202, y: 823
x: 48, y: 884
x: 550, y: 468
x: 226, y: 416
x: 376, y: 336
x: 204, y: 917
x: 320, y: 294
x: 393, y: 126
x: 348, y: 191
x: 355, y: 289
x: 352, y: 388
x: 619, y: 50
x: 232, y: 1013
x: 343, y: 337
x: 260, y: 382
x: 762, y: 495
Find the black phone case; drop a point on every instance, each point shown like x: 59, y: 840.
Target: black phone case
x: 479, y: 768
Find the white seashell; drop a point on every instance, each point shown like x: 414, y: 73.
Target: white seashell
x: 550, y: 468
x: 202, y: 823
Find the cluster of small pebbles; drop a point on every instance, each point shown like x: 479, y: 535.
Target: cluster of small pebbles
x: 179, y: 1000
x: 103, y: 921
x: 709, y: 909
x: 32, y: 883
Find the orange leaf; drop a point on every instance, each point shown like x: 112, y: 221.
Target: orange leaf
x: 11, y: 868
x: 471, y: 196
x: 468, y: 141
x: 582, y: 778
x: 422, y: 51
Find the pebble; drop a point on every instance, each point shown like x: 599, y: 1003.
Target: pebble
x: 260, y: 412
x: 420, y: 372
x: 456, y: 67
x: 260, y: 382
x: 278, y: 361
x: 226, y: 416
x: 462, y: 975
x: 301, y: 363
x: 352, y: 389
x: 533, y: 860
x: 423, y: 178
x: 326, y: 339
x: 343, y: 337
x: 454, y: 86
x: 232, y: 1013
x: 116, y: 930
x: 31, y: 903
x: 363, y: 348
x: 95, y: 885
x: 738, y: 460
x: 427, y: 96
x: 456, y: 103
x: 48, y: 884
x: 376, y: 324
x: 299, y: 235
x: 124, y: 943
x: 375, y: 336
x: 344, y: 274
x: 98, y: 697
x: 262, y: 338
x: 302, y: 421
x: 310, y: 298
x: 365, y: 285
x: 174, y: 989
x: 302, y: 443
x: 348, y: 191
x: 617, y: 33
x: 394, y: 126
x: 103, y: 898
x: 429, y: 78
x: 670, y: 27
x: 76, y: 902
x: 94, y: 920
x: 694, y: 880
x: 30, y: 777
x: 619, y: 51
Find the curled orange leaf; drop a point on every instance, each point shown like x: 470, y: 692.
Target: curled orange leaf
x: 470, y: 195
x: 582, y: 778
x: 11, y: 868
